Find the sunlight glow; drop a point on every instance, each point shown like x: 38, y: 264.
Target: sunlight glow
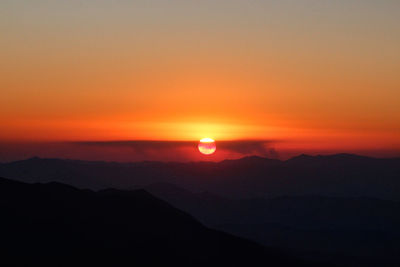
x: 207, y: 140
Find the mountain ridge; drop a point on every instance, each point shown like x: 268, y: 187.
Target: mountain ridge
x: 113, y: 228
x: 334, y: 175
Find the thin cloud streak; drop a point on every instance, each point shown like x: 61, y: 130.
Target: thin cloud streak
x: 242, y: 147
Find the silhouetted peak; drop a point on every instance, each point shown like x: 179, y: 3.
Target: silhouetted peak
x: 301, y: 157
x: 345, y: 156
x: 5, y: 181
x: 35, y: 158
x: 341, y: 156
x: 59, y: 187
x: 252, y: 159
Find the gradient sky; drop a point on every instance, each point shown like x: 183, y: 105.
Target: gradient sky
x: 316, y: 74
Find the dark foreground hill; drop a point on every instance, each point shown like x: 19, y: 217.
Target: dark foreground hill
x: 58, y: 225
x: 340, y: 175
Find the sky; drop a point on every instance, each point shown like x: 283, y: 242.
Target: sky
x: 311, y: 75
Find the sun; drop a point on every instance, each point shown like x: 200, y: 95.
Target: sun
x: 207, y: 146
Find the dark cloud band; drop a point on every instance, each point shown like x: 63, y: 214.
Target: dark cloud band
x: 260, y: 147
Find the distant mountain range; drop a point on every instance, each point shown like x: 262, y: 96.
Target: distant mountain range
x: 58, y: 225
x: 346, y: 231
x: 340, y: 209
x: 341, y: 175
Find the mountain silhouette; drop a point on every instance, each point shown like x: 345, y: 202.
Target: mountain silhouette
x: 59, y: 225
x: 341, y: 175
x: 342, y: 209
x: 356, y: 231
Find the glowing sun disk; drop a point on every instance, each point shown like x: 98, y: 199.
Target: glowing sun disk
x: 207, y: 146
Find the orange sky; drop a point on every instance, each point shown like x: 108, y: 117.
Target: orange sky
x: 315, y: 75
